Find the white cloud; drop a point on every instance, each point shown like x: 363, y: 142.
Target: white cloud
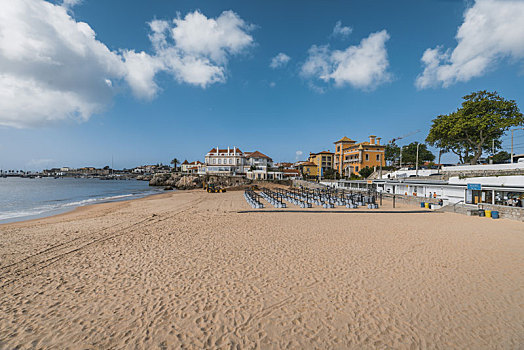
x: 298, y: 155
x: 364, y: 66
x: 340, y: 30
x: 52, y: 68
x: 279, y: 60
x: 198, y: 35
x: 492, y: 30
x: 70, y: 3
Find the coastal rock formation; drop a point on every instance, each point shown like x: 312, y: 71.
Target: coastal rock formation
x: 186, y: 182
x: 164, y: 180
x: 144, y: 177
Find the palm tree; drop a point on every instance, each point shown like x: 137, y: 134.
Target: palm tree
x: 174, y: 162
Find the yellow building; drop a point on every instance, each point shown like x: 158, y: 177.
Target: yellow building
x: 350, y: 157
x: 308, y: 169
x: 323, y: 160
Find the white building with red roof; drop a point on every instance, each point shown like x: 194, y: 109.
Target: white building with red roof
x: 192, y: 168
x: 225, y: 161
x: 259, y: 167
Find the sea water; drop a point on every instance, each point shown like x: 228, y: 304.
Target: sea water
x: 24, y: 198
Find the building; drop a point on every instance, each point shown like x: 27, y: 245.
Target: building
x: 290, y: 174
x: 307, y: 169
x: 184, y: 166
x: 284, y: 165
x: 350, y: 157
x: 494, y: 190
x: 225, y: 161
x: 258, y: 166
x: 323, y: 160
x: 192, y: 167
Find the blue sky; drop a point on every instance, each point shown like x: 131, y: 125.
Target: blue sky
x: 361, y: 83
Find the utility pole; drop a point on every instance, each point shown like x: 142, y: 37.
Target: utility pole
x: 492, y: 150
x: 416, y: 162
x: 400, y: 165
x: 380, y: 171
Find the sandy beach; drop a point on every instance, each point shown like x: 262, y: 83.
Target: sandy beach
x: 198, y: 270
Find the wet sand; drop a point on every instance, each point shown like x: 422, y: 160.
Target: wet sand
x: 198, y: 270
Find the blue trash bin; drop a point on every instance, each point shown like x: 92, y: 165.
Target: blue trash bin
x: 494, y: 214
x: 422, y: 204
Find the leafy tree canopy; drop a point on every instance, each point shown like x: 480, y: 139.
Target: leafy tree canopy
x: 409, y: 154
x: 501, y: 157
x: 365, y: 172
x: 476, y: 126
x: 392, y: 152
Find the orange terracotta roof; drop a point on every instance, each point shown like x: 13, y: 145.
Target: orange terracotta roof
x: 323, y: 152
x: 307, y: 163
x: 224, y: 150
x: 256, y: 154
x: 344, y: 139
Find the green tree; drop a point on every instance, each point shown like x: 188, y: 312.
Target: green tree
x: 365, y: 172
x: 330, y: 174
x: 409, y: 154
x: 174, y: 162
x: 481, y: 121
x: 501, y: 157
x: 392, y: 153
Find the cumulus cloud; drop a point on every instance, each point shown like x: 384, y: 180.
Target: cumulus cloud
x: 340, y: 30
x: 492, y: 30
x: 52, y: 68
x: 298, y: 155
x: 279, y: 60
x: 363, y: 66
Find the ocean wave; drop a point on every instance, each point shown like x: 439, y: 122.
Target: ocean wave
x: 51, y: 208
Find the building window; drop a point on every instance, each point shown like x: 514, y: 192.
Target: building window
x: 356, y: 168
x: 219, y: 161
x: 367, y: 156
x: 214, y: 161
x: 378, y: 157
x: 230, y: 161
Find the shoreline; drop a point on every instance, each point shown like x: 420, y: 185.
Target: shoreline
x: 78, y: 209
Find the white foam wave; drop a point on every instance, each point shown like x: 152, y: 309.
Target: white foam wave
x: 9, y: 215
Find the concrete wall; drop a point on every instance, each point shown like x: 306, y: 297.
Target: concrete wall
x: 512, y: 213
x: 483, y: 170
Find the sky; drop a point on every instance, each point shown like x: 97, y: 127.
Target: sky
x: 141, y: 82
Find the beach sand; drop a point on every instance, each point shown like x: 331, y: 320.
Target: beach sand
x: 199, y: 270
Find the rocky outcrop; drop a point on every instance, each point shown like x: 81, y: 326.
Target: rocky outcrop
x: 144, y: 177
x: 164, y: 180
x: 186, y: 182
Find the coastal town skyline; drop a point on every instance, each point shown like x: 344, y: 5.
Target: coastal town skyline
x: 163, y: 79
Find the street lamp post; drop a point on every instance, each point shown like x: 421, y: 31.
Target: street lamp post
x: 416, y: 162
x: 400, y: 165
